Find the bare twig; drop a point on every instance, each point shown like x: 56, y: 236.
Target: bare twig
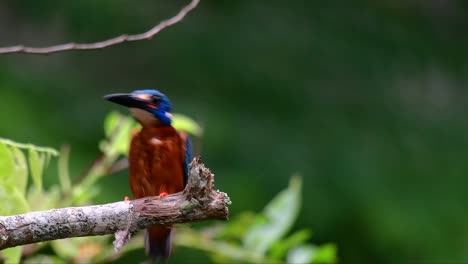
x: 197, y: 202
x: 106, y: 43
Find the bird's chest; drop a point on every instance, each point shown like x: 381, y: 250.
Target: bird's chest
x: 151, y: 149
x: 155, y: 165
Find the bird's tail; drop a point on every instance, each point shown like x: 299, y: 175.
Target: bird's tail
x: 158, y: 243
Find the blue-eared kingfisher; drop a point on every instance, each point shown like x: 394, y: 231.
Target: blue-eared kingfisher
x: 158, y: 158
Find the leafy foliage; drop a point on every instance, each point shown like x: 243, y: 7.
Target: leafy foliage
x: 276, y: 219
x: 14, y: 180
x: 261, y: 238
x: 250, y: 237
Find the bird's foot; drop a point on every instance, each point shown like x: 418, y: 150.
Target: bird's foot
x: 126, y: 198
x: 163, y: 194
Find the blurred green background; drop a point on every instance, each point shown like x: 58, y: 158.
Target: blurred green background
x: 365, y: 99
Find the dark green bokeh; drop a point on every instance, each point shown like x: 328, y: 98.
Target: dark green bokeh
x: 365, y: 99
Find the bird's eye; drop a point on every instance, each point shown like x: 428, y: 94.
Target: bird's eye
x: 155, y: 99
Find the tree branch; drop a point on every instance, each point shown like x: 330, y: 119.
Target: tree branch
x: 106, y: 43
x: 197, y: 202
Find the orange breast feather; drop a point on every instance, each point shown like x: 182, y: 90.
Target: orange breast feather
x: 156, y: 162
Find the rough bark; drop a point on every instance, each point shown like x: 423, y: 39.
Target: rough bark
x: 197, y: 202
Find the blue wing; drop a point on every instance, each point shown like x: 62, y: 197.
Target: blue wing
x: 188, y: 154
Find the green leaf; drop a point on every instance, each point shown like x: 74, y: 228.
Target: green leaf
x: 277, y: 218
x: 236, y: 228
x: 312, y: 254
x: 121, y: 141
x: 36, y: 164
x: 280, y: 248
x: 12, y: 255
x: 64, y: 176
x: 47, y: 158
x: 110, y: 123
x: 326, y: 253
x: 81, y: 249
x: 7, y: 164
x: 185, y: 123
x: 44, y: 259
x: 302, y: 254
x: 220, y: 250
x: 81, y: 195
x: 13, y: 202
x: 117, y: 129
x: 21, y: 170
x: 66, y: 248
x: 39, y: 200
x: 10, y: 143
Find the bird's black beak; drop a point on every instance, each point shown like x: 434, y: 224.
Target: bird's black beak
x: 124, y: 99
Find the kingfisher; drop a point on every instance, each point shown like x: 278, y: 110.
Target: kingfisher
x: 159, y: 156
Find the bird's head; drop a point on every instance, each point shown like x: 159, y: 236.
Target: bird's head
x: 149, y: 107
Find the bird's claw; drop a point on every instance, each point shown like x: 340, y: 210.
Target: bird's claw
x: 126, y: 198
x: 163, y: 194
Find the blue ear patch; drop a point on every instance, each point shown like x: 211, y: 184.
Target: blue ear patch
x: 160, y: 108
